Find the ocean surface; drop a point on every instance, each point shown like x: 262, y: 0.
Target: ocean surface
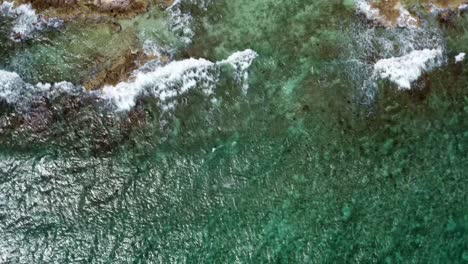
x: 253, y: 131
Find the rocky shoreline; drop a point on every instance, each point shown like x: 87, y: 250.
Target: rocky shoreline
x: 107, y: 70
x: 399, y: 13
x: 90, y: 9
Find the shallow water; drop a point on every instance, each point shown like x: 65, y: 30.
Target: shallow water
x: 316, y: 162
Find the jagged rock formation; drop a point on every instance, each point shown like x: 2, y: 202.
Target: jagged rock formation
x: 70, y: 9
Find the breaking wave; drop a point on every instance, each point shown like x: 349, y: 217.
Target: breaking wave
x: 399, y: 53
x: 165, y: 82
x: 26, y: 23
x: 177, y: 78
x: 408, y: 68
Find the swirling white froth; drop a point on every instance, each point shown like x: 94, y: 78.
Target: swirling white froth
x: 26, y: 21
x: 460, y: 57
x: 16, y: 92
x: 181, y: 21
x: 241, y: 62
x: 10, y: 84
x: 400, y: 50
x: 162, y: 83
x: 408, y: 68
x: 165, y: 82
x: 177, y: 78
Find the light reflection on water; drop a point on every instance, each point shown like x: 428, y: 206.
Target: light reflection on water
x: 296, y: 170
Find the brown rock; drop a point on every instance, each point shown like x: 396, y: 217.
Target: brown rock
x: 71, y: 9
x: 121, y: 7
x: 45, y: 4
x: 391, y: 14
x: 118, y: 70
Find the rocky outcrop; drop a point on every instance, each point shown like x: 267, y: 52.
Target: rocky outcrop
x: 117, y: 70
x: 395, y: 13
x: 45, y: 4
x: 71, y: 9
x: 121, y: 7
x: 388, y: 13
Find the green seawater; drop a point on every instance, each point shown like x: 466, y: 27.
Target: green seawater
x: 300, y: 169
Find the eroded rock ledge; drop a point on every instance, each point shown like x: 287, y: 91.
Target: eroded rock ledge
x: 71, y: 9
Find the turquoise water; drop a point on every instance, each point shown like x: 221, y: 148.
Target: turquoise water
x: 303, y: 168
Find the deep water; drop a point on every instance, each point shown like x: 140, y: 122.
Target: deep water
x: 308, y: 166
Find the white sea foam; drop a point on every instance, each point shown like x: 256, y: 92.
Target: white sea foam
x: 364, y: 7
x: 401, y: 53
x: 176, y: 78
x: 165, y: 82
x: 26, y: 21
x: 408, y: 68
x: 460, y: 57
x: 406, y: 19
x: 181, y: 23
x: 14, y: 91
x: 174, y: 4
x: 241, y: 62
x: 150, y: 48
x: 10, y: 85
